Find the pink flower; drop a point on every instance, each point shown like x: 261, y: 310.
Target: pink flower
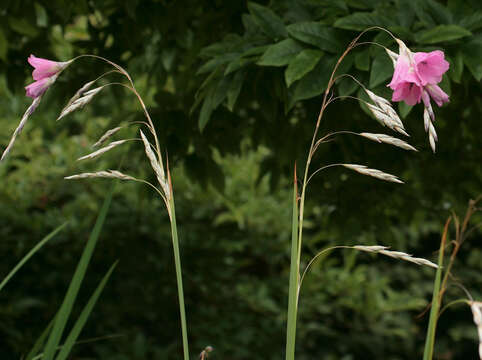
x: 45, y: 68
x: 415, y: 78
x: 39, y: 87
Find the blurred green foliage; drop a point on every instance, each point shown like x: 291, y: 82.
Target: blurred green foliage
x: 250, y: 75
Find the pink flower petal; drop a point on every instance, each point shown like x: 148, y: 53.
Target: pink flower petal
x: 39, y: 87
x: 45, y: 68
x: 437, y: 94
x: 409, y: 92
x: 431, y: 66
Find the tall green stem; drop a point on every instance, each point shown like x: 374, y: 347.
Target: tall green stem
x: 436, y: 300
x: 180, y: 291
x: 294, y: 281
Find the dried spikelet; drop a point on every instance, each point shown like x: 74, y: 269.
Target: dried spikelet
x: 79, y: 93
x: 382, y: 138
x: 109, y: 174
x: 21, y: 125
x: 395, y: 254
x: 80, y: 102
x: 102, y: 150
x: 156, y: 166
x: 388, y: 118
x: 106, y: 136
x: 362, y: 169
x: 476, y: 307
x: 386, y: 108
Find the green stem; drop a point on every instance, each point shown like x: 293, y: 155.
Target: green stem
x: 436, y: 300
x: 180, y: 291
x: 294, y: 282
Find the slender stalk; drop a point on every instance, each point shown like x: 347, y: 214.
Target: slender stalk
x: 294, y: 279
x: 296, y: 254
x: 434, y: 311
x: 180, y: 291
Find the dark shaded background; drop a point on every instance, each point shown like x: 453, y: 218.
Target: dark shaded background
x: 232, y: 180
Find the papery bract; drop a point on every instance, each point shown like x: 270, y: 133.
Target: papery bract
x: 46, y: 68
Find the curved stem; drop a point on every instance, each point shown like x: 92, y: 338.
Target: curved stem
x: 321, y: 169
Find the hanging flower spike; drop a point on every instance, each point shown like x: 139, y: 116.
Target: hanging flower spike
x: 46, y: 68
x: 415, y: 78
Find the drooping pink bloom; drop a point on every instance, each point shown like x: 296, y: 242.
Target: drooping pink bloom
x: 45, y: 68
x: 415, y: 78
x: 39, y: 87
x: 430, y: 66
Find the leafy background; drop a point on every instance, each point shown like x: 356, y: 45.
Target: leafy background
x: 235, y: 88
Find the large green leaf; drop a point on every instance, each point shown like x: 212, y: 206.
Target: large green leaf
x: 271, y: 24
x: 382, y: 69
x: 472, y: 51
x: 319, y: 35
x: 302, y: 64
x: 280, y: 54
x: 235, y: 88
x: 361, y: 20
x: 441, y: 33
x: 314, y: 83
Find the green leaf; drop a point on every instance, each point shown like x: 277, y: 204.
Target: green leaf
x: 404, y: 109
x: 302, y: 64
x: 362, y: 61
x: 472, y: 22
x: 235, y: 88
x: 456, y: 67
x: 382, y: 69
x: 3, y: 46
x: 472, y: 51
x: 22, y: 26
x: 84, y: 315
x: 270, y: 23
x: 206, y: 109
x: 319, y: 35
x: 30, y: 254
x: 441, y: 33
x: 69, y: 300
x: 314, y: 83
x: 40, y: 341
x: 280, y: 54
x: 361, y: 20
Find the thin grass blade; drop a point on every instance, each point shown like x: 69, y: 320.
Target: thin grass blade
x: 40, y: 341
x: 79, y: 324
x: 30, y: 254
x: 66, y: 307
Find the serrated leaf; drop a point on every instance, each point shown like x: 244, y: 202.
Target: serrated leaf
x: 314, y: 33
x: 361, y: 20
x: 270, y: 23
x: 441, y: 33
x: 280, y: 54
x: 302, y: 64
x: 382, y: 69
